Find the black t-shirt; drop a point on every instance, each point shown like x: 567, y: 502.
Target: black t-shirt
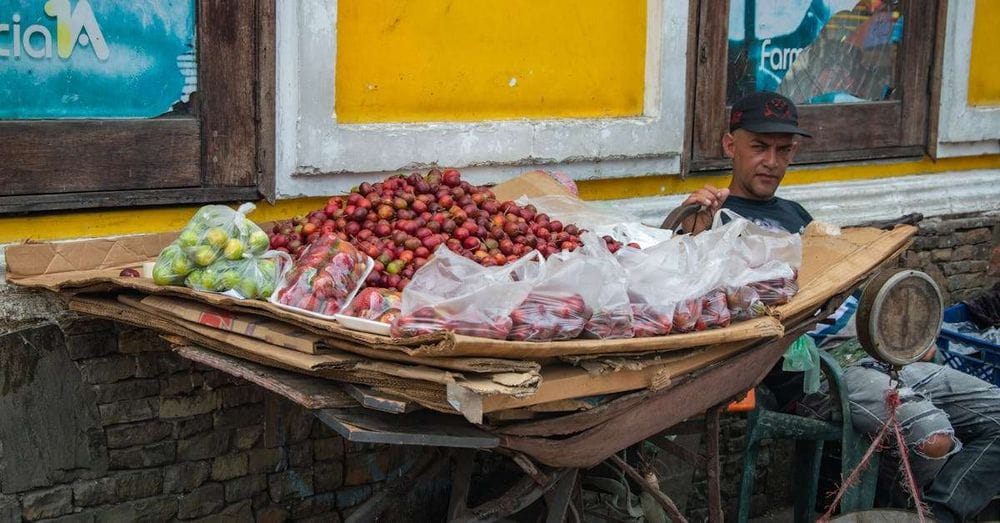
x: 776, y: 213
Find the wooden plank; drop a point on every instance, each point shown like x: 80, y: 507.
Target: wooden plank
x: 916, y: 62
x: 418, y: 428
x: 45, y: 157
x: 139, y: 198
x: 311, y: 393
x: 379, y: 401
x: 915, y: 152
x: 837, y: 127
x: 936, y: 74
x: 226, y: 99
x: 266, y: 99
x: 709, y: 115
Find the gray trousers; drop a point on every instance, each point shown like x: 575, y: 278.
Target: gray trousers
x: 938, y: 400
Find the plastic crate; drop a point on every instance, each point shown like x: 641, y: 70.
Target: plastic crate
x: 983, y: 364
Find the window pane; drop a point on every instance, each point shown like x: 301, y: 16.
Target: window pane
x: 814, y: 51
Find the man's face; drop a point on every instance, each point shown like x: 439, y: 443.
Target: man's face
x: 759, y: 161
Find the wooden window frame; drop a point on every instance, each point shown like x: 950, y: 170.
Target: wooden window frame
x: 222, y: 151
x: 883, y: 129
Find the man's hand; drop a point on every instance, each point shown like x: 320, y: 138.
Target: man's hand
x: 711, y: 200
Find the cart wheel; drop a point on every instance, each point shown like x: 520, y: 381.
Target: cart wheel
x: 899, y: 316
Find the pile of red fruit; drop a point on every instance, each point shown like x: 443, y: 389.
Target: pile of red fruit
x: 549, y: 316
x: 400, y: 221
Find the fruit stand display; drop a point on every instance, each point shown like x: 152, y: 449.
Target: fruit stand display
x: 552, y: 341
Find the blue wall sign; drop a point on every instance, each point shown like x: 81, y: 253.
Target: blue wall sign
x: 95, y: 58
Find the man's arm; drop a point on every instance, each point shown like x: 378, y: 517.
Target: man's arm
x: 711, y: 199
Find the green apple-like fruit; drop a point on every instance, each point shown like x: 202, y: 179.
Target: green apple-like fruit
x: 228, y: 280
x: 216, y: 237
x: 188, y: 238
x: 203, y: 255
x: 265, y: 291
x: 162, y: 275
x: 259, y: 242
x: 233, y: 249
x: 180, y: 265
x: 247, y: 288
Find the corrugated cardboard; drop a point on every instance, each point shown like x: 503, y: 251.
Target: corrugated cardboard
x: 530, y: 184
x: 272, y: 331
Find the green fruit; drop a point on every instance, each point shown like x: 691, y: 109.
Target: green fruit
x: 210, y: 280
x: 204, y: 255
x: 193, y: 279
x: 188, y: 238
x: 259, y: 242
x: 268, y: 270
x: 266, y: 290
x: 180, y: 265
x: 233, y: 249
x: 247, y: 288
x: 163, y: 276
x: 228, y: 280
x: 216, y: 237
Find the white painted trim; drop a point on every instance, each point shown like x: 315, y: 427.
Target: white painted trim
x: 959, y: 122
x: 845, y: 203
x: 317, y: 155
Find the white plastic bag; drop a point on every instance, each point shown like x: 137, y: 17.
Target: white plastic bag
x: 599, y: 220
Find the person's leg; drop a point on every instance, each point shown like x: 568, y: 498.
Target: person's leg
x: 969, y: 479
x: 928, y: 433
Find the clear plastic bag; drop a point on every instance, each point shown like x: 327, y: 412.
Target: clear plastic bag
x: 215, y: 232
x: 803, y: 356
x: 325, y: 278
x: 452, y: 293
x: 744, y: 303
x: 714, y: 311
x: 558, y: 307
x: 611, y: 316
x: 599, y: 220
x: 376, y: 304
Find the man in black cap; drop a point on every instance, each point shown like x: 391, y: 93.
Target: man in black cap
x: 762, y: 139
x: 951, y: 420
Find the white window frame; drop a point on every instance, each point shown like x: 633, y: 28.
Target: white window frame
x: 315, y: 154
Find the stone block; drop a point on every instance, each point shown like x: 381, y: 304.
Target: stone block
x: 300, y: 454
x: 77, y: 517
x: 133, y: 340
x: 215, y: 379
x: 242, y: 416
x: 352, y: 496
x: 974, y: 236
x: 248, y: 437
x: 964, y: 281
x: 271, y: 514
x: 328, y: 448
x: 161, y: 508
x: 203, y: 446
x: 153, y: 455
x: 290, y: 484
x: 181, y: 383
x: 241, y: 395
x: 365, y: 467
x: 10, y: 509
x: 229, y: 466
x: 963, y: 252
x: 188, y: 427
x: 142, y: 433
x: 994, y: 265
x: 202, y: 501
x: 91, y: 345
x: 940, y: 255
x: 243, y: 488
x: 126, y: 390
x: 73, y: 324
x: 185, y: 477
x: 185, y: 406
x: 107, y: 369
x: 128, y: 411
x: 138, y: 484
x: 328, y: 476
x: 154, y: 364
x: 964, y: 267
x: 48, y: 503
x: 267, y: 460
x: 242, y: 511
x: 92, y: 492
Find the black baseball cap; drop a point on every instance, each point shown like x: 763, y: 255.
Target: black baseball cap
x: 764, y: 112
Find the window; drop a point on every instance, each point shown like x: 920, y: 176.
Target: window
x: 111, y: 104
x: 858, y: 69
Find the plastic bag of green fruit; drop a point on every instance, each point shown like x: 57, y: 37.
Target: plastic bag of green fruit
x: 253, y: 277
x: 214, y: 238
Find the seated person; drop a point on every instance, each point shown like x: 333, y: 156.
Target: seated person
x: 951, y: 420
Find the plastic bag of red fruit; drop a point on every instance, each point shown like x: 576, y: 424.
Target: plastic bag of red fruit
x: 453, y: 293
x: 376, y: 304
x: 325, y: 278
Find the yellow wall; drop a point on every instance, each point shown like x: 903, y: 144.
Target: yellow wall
x: 984, y: 67
x: 469, y: 60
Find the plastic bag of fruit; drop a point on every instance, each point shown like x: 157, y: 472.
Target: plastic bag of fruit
x: 558, y: 307
x: 376, y: 305
x: 744, y: 303
x: 325, y: 278
x: 453, y: 293
x: 714, y: 310
x: 252, y: 277
x: 611, y: 312
x: 215, y: 232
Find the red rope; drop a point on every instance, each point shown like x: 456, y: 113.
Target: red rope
x: 892, y: 403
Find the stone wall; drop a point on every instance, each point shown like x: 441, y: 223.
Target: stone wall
x: 103, y: 423
x: 956, y: 251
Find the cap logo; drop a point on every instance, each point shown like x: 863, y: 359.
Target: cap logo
x: 777, y: 108
x: 735, y: 118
